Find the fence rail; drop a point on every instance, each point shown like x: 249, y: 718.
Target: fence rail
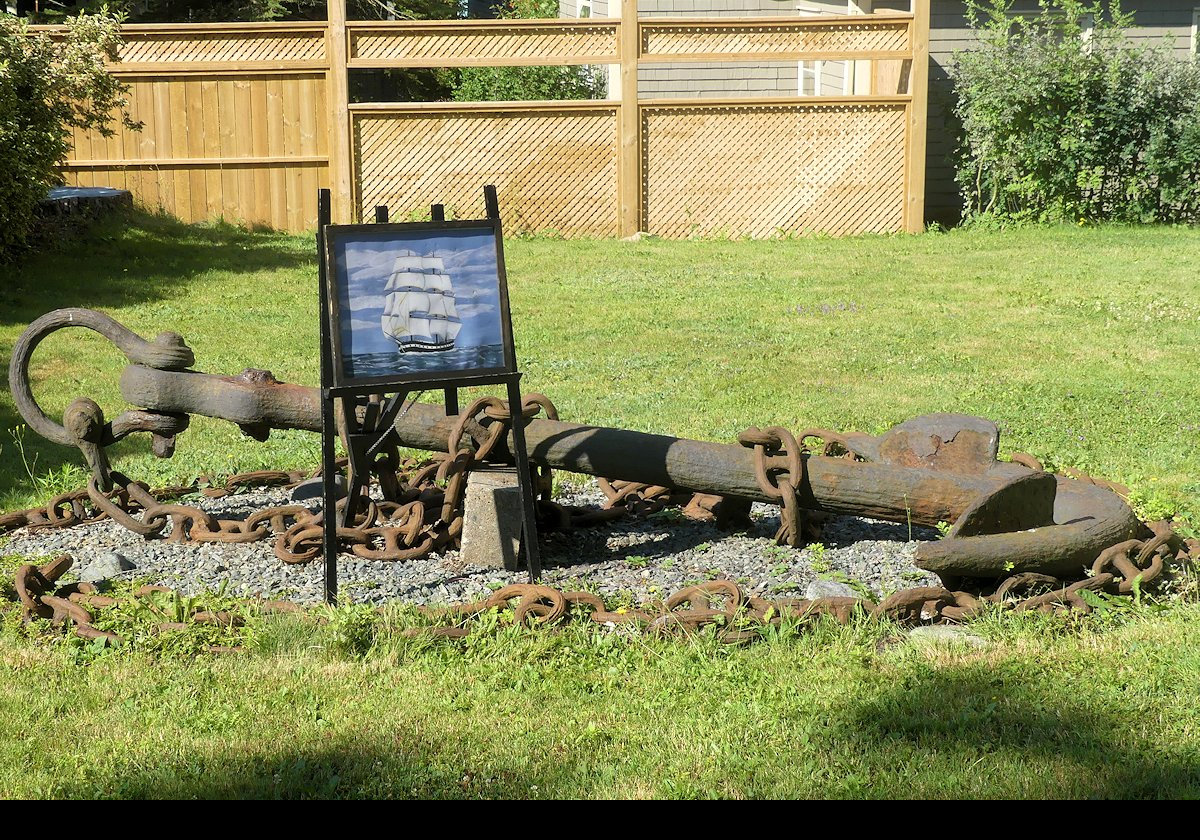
x: 246, y: 121
x: 482, y: 43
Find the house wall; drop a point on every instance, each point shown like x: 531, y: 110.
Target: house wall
x: 668, y: 81
x: 776, y: 78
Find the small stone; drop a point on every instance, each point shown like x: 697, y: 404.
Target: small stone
x: 313, y: 489
x: 106, y: 564
x: 828, y: 589
x: 945, y: 634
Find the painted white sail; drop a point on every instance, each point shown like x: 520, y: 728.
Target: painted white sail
x: 419, y: 313
x: 438, y: 283
x: 404, y: 280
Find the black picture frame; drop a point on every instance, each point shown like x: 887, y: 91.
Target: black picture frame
x: 364, y: 437
x: 335, y: 237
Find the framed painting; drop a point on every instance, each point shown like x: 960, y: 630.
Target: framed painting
x: 423, y: 302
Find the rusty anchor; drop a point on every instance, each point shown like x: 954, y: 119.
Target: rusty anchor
x: 1008, y: 517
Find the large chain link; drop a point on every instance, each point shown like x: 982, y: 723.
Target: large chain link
x: 779, y: 469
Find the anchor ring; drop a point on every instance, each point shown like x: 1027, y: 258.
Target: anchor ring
x: 166, y: 352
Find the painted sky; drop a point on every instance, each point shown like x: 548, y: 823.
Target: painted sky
x: 365, y: 261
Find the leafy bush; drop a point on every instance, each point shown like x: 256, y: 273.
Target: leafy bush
x: 203, y: 11
x: 1057, y: 126
x: 48, y: 86
x: 489, y: 84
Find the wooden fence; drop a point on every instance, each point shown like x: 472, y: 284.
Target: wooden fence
x: 246, y: 121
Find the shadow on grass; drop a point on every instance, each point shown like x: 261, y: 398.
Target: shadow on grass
x: 133, y: 258
x: 121, y: 261
x: 1052, y: 737
x: 343, y: 770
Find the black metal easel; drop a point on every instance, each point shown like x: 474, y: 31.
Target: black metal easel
x: 380, y: 409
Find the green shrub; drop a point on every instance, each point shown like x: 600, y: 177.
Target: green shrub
x: 48, y: 86
x: 1059, y: 127
x: 491, y: 84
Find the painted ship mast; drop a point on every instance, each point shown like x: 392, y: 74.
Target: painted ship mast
x: 419, y: 312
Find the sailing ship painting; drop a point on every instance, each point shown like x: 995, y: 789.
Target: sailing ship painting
x: 417, y: 303
x: 419, y: 312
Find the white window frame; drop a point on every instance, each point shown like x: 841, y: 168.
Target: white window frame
x: 809, y: 69
x: 815, y: 69
x: 584, y: 6
x: 1196, y: 33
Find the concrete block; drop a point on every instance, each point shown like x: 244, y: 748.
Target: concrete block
x: 492, y: 519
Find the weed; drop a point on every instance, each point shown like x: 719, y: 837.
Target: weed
x: 817, y: 560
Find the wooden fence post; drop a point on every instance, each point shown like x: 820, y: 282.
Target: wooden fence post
x: 629, y: 129
x: 341, y: 165
x: 918, y: 88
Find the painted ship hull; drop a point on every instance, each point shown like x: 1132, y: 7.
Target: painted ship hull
x: 422, y: 346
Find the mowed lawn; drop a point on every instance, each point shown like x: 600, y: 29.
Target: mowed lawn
x: 1080, y: 342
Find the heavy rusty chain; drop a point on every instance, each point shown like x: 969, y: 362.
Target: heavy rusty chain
x: 737, y: 618
x: 779, y: 468
x: 71, y: 604
x: 734, y: 617
x: 421, y: 510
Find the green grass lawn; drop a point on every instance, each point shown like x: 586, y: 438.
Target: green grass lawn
x: 1080, y: 342
x: 1046, y: 711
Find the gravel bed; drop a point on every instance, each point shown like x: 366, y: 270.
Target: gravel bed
x: 631, y: 558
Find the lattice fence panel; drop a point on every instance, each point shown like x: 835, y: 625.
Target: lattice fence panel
x: 305, y: 45
x: 447, y: 47
x: 675, y: 39
x: 761, y: 170
x: 554, y: 169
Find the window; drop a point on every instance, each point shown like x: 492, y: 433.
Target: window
x: 585, y: 8
x: 1055, y: 17
x: 826, y: 78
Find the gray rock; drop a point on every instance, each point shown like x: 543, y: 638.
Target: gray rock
x: 945, y: 634
x: 105, y: 565
x: 828, y: 589
x: 492, y: 518
x: 311, y: 490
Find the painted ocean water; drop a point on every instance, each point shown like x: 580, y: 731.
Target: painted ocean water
x: 395, y: 363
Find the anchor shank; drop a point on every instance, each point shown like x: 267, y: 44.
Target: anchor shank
x: 836, y: 485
